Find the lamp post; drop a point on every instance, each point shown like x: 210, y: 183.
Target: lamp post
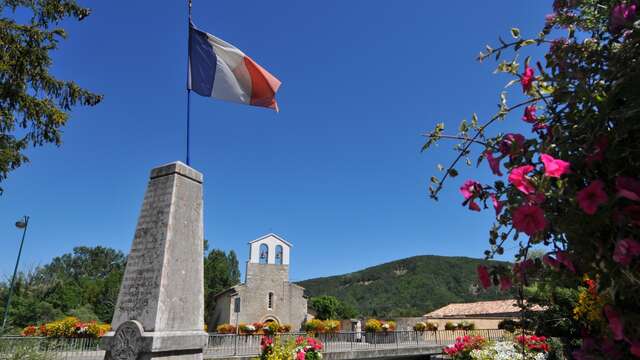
x: 20, y: 224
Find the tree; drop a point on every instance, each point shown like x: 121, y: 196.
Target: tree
x: 330, y: 307
x: 34, y: 105
x: 572, y: 186
x: 220, y: 273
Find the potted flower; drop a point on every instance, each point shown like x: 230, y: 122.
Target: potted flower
x: 380, y: 332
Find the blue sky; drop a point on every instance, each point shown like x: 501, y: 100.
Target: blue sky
x: 338, y: 172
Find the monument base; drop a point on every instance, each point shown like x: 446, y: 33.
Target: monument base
x: 131, y: 342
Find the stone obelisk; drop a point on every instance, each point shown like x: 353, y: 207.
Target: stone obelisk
x: 160, y: 308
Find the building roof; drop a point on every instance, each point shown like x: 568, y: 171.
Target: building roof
x: 486, y: 308
x: 275, y: 236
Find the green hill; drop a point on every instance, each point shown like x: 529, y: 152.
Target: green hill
x: 407, y: 287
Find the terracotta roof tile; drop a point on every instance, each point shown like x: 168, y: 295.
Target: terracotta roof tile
x: 479, y: 308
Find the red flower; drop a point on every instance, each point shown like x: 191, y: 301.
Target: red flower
x: 470, y: 190
x: 505, y: 283
x: 494, y: 163
x: 300, y: 355
x: 518, y: 178
x: 483, y: 276
x: 527, y: 78
x: 529, y: 219
x: 628, y: 188
x: 511, y: 144
x: 497, y: 204
x: 615, y: 324
x: 625, y: 251
x: 554, y: 167
x: 530, y: 114
x: 591, y: 197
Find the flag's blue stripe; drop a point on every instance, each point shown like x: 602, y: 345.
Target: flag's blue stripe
x: 202, y: 59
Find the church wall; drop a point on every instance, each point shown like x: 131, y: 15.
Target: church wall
x: 222, y: 312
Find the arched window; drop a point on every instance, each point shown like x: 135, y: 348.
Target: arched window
x: 264, y: 254
x: 270, y: 305
x: 279, y: 254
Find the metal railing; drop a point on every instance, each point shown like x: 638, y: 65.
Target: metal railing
x: 224, y: 345
x: 55, y: 348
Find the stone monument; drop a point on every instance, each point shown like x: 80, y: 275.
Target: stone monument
x: 160, y: 308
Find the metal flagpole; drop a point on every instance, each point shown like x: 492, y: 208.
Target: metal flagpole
x: 188, y: 89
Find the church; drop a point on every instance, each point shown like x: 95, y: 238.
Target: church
x: 266, y: 295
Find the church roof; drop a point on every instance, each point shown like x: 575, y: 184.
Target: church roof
x: 275, y: 236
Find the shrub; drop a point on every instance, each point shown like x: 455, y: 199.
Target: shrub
x: 450, y: 326
x: 331, y: 326
x: 373, y: 325
x: 69, y: 327
x: 314, y: 326
x: 509, y: 325
x: 421, y: 326
x: 432, y: 326
x: 226, y: 329
x: 284, y: 328
x: 465, y: 325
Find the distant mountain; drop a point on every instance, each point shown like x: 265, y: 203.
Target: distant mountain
x: 407, y: 287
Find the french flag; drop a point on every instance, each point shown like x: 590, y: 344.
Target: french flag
x: 220, y: 70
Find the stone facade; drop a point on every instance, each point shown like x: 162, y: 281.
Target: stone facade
x: 267, y: 294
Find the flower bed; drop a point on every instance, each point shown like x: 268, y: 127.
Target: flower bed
x: 69, y: 327
x: 302, y: 348
x: 478, y: 348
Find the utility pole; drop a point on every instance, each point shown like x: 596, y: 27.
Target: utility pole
x: 20, y: 224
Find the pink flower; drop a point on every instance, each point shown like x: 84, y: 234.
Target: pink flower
x: 621, y: 15
x: 591, y: 197
x: 527, y: 78
x: 470, y: 190
x: 505, y: 283
x: 539, y: 126
x: 554, y: 167
x: 625, y: 251
x: 511, y: 144
x: 518, y: 178
x: 530, y: 114
x: 628, y: 188
x: 494, y: 163
x: 564, y: 260
x: 535, y: 198
x: 551, y: 261
x: 300, y: 355
x: 483, y: 276
x: 529, y: 219
x: 615, y: 324
x: 497, y: 204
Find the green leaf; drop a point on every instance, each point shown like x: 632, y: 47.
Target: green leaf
x: 515, y: 32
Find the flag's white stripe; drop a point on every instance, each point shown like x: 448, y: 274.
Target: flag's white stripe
x: 232, y: 81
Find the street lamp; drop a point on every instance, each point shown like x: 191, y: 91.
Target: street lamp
x: 20, y: 224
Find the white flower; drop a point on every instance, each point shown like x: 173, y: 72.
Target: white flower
x: 385, y: 326
x: 250, y: 328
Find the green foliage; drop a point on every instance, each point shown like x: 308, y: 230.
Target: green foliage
x: 221, y: 271
x: 330, y: 307
x: 34, y: 105
x: 408, y: 287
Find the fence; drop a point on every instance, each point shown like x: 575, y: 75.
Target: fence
x: 58, y: 349
x: 221, y: 345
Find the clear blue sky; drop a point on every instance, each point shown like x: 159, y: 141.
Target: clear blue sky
x: 337, y: 172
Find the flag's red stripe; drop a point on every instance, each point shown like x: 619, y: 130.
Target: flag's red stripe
x: 263, y: 85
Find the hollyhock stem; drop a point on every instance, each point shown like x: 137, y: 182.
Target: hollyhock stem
x: 472, y: 139
x: 454, y: 137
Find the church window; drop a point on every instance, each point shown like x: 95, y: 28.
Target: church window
x: 279, y: 254
x: 264, y: 254
x: 270, y: 301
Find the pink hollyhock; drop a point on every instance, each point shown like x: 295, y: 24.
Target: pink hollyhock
x: 527, y: 78
x: 554, y: 167
x: 511, y: 144
x: 529, y: 219
x: 300, y: 355
x: 564, y: 260
x: 494, y: 163
x: 497, y: 204
x: 628, y: 188
x: 621, y: 15
x: 483, y: 276
x: 470, y: 189
x: 591, y: 197
x: 530, y: 114
x: 625, y: 251
x: 536, y: 198
x: 505, y: 283
x: 551, y: 261
x: 635, y: 348
x: 539, y: 126
x: 518, y: 178
x: 615, y: 323
x: 521, y: 268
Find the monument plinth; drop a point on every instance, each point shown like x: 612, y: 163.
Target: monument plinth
x: 160, y: 308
